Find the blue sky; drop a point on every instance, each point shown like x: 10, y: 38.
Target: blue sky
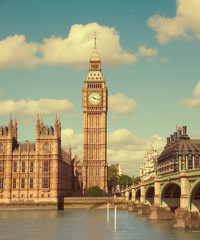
x: 150, y: 53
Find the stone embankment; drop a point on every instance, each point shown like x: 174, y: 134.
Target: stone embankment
x: 180, y: 217
x: 64, y: 203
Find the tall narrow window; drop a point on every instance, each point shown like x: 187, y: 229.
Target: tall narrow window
x: 1, y: 166
x: 23, y: 166
x: 31, y: 182
x: 196, y: 160
x: 14, y: 183
x: 45, y: 182
x: 1, y: 183
x: 46, y: 147
x: 15, y: 167
x: 1, y: 147
x: 46, y: 166
x: 31, y: 167
x: 22, y: 183
x: 189, y: 161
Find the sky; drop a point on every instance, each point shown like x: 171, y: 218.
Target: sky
x: 150, y: 53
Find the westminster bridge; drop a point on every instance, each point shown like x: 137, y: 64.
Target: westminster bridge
x: 176, y: 190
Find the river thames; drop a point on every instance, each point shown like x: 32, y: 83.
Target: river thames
x: 83, y: 224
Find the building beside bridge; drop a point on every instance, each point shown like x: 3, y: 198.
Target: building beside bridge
x: 179, y: 153
x: 149, y: 167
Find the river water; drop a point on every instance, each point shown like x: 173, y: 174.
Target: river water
x: 83, y: 224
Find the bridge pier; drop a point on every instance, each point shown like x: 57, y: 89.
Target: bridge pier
x: 127, y: 196
x: 142, y: 196
x: 184, y: 199
x: 157, y: 192
x: 133, y: 195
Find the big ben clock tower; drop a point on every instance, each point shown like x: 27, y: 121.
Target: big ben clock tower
x: 95, y: 106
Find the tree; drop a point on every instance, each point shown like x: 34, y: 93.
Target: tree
x: 136, y: 180
x: 94, y: 191
x: 124, y: 181
x: 112, y: 178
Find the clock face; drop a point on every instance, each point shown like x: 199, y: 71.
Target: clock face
x: 94, y: 98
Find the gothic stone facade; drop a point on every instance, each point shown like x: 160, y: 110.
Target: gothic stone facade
x: 35, y: 172
x: 95, y: 105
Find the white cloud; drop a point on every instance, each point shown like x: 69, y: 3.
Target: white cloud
x: 119, y: 103
x: 113, y: 119
x: 194, y: 101
x: 17, y: 53
x: 190, y: 103
x: 75, y: 141
x: 74, y: 50
x: 77, y: 47
x: 133, y: 119
x: 186, y: 21
x: 164, y: 60
x: 32, y: 107
x: 196, y: 91
x: 123, y: 147
x: 128, y: 150
x: 147, y: 52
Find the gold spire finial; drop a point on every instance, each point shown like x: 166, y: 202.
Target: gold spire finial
x: 95, y: 55
x: 95, y: 40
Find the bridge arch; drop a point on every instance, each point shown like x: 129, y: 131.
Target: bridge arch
x: 194, y: 197
x: 149, y: 195
x: 170, y: 195
x: 130, y: 196
x: 137, y: 195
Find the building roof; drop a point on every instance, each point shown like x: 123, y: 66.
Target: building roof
x: 179, y: 144
x: 26, y: 146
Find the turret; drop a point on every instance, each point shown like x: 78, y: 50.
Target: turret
x: 47, y: 130
x: 59, y: 128
x: 179, y: 133
x: 1, y: 131
x: 175, y: 136
x: 56, y: 126
x: 15, y: 128
x: 41, y: 125
x: 70, y: 151
x: 37, y: 127
x: 10, y: 127
x: 184, y: 130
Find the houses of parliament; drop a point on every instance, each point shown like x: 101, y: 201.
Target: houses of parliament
x: 43, y: 170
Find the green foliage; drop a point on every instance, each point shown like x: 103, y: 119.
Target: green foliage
x: 124, y: 181
x: 136, y: 180
x: 112, y: 177
x: 94, y: 191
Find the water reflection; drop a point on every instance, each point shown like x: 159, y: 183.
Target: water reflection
x: 81, y: 224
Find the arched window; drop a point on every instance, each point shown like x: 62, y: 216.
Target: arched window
x: 46, y: 147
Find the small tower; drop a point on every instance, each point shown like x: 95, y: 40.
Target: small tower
x: 70, y: 151
x: 37, y: 126
x: 15, y: 128
x: 8, y: 142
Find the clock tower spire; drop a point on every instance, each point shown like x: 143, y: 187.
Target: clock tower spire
x: 95, y: 106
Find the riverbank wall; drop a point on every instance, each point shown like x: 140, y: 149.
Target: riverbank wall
x: 68, y: 202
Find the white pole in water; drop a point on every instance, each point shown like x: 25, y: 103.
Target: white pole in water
x: 107, y: 212
x: 115, y: 222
